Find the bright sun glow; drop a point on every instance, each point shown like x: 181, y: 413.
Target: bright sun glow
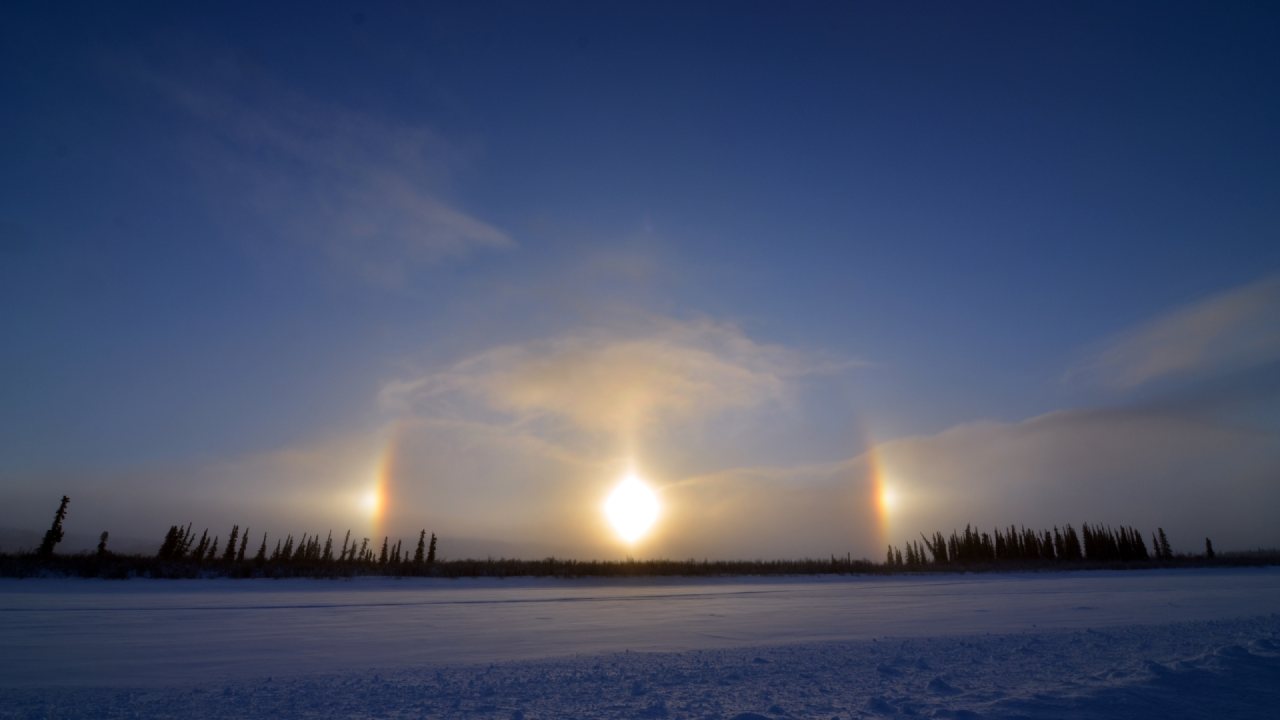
x: 631, y: 508
x: 888, y: 499
x: 371, y: 501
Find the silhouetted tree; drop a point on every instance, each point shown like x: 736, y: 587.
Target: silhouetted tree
x: 1071, y: 543
x: 261, y: 557
x: 1208, y: 548
x: 382, y: 557
x: 1166, y: 552
x: 230, y: 554
x: 244, y: 543
x: 171, y: 545
x: 420, y: 555
x: 431, y: 550
x: 53, y: 535
x: 938, y: 547
x: 201, y: 547
x: 102, y: 544
x: 1140, y: 544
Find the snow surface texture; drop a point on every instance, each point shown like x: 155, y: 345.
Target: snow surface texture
x: 1202, y: 643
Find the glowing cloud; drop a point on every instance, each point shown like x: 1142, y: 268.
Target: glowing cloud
x: 617, y: 383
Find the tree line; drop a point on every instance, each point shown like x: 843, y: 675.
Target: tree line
x: 183, y: 553
x: 1022, y: 545
x: 178, y: 547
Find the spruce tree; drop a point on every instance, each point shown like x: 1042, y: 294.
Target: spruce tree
x: 1071, y: 541
x: 1208, y: 549
x: 382, y: 557
x: 431, y: 550
x: 244, y: 543
x: 261, y: 557
x: 1165, y: 551
x: 198, y: 553
x: 1142, y: 545
x: 102, y: 544
x: 172, y: 541
x: 53, y: 535
x: 184, y: 544
x: 419, y: 555
x: 230, y: 554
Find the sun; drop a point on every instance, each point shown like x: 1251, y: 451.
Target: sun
x: 631, y: 508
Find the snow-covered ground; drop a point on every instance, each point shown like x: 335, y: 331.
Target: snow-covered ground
x: 1196, y: 643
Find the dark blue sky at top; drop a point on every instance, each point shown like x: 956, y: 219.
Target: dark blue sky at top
x: 969, y: 196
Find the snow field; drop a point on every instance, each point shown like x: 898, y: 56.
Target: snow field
x: 1202, y: 643
x: 1227, y: 669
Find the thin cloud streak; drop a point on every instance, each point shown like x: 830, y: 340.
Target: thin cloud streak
x: 365, y: 191
x: 1233, y: 330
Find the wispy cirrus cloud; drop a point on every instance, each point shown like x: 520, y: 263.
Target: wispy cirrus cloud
x: 368, y: 192
x: 611, y: 381
x: 1233, y: 330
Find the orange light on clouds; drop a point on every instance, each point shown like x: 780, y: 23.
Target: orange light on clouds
x: 375, y: 499
x: 884, y: 498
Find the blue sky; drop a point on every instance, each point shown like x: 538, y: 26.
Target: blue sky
x: 760, y: 251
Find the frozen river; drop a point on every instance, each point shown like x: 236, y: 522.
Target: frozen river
x: 1147, y: 644
x: 155, y: 633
